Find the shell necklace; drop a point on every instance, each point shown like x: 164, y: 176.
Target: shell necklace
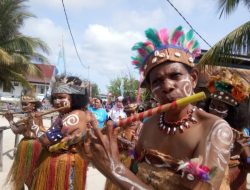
x: 171, y: 127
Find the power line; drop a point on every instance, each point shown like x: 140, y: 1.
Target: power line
x: 188, y: 23
x: 64, y: 9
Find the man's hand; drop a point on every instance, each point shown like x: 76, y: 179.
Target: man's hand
x: 9, y: 116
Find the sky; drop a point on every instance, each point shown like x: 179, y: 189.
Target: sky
x: 105, y: 30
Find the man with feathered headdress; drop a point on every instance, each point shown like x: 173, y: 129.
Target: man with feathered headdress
x: 185, y: 148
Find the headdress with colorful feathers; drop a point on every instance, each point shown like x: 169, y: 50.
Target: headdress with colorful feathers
x: 161, y: 47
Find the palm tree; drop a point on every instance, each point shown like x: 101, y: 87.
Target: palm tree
x: 16, y: 49
x: 236, y: 42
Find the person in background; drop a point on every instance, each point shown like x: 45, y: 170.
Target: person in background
x: 63, y: 169
x: 29, y: 148
x: 91, y: 103
x: 229, y: 93
x: 108, y: 106
x: 117, y: 111
x: 99, y: 112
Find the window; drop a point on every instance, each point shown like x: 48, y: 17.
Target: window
x: 42, y: 89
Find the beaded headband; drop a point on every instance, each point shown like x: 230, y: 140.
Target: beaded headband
x: 161, y: 47
x: 228, y: 87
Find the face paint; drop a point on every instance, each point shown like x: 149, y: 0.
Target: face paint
x: 219, y: 113
x: 187, y: 87
x: 71, y: 120
x: 218, y: 108
x: 170, y: 82
x: 156, y: 88
x: 63, y: 102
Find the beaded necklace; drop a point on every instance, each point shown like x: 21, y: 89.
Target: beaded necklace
x: 171, y: 127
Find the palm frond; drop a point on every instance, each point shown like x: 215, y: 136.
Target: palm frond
x: 226, y: 7
x: 5, y: 58
x: 236, y: 42
x: 24, y: 45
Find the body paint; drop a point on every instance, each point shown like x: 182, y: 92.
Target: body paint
x: 71, y: 119
x: 118, y: 171
x: 35, y: 128
x: 218, y: 143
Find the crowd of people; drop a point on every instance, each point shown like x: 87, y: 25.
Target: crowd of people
x: 187, y: 147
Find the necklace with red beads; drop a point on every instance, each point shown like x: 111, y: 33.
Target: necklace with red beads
x: 172, y: 127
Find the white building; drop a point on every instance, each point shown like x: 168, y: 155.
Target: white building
x: 41, y: 84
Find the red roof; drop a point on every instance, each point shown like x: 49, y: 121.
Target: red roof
x: 47, y: 72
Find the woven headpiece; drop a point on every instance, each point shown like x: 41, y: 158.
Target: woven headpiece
x: 73, y: 87
x: 161, y: 47
x: 228, y: 87
x: 28, y: 95
x: 28, y: 99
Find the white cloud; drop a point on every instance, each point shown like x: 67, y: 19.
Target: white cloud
x: 106, y: 50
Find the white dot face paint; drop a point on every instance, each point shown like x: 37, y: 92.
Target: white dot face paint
x: 71, y: 120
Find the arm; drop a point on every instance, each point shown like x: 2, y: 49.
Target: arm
x: 48, y: 137
x: 17, y: 129
x: 217, y: 150
x: 102, y: 150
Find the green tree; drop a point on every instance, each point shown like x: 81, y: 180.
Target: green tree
x: 130, y: 86
x: 16, y: 49
x: 95, y: 90
x: 236, y: 42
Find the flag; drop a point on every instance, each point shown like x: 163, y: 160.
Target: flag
x: 60, y: 66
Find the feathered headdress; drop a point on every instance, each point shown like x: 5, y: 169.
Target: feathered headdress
x: 228, y: 87
x: 161, y: 47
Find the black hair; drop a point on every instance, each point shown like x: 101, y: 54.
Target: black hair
x: 38, y: 105
x: 237, y: 116
x: 79, y: 101
x: 99, y: 99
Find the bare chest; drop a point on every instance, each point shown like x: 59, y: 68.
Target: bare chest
x: 180, y: 145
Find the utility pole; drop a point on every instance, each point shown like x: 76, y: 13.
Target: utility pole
x: 90, y: 89
x: 63, y: 55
